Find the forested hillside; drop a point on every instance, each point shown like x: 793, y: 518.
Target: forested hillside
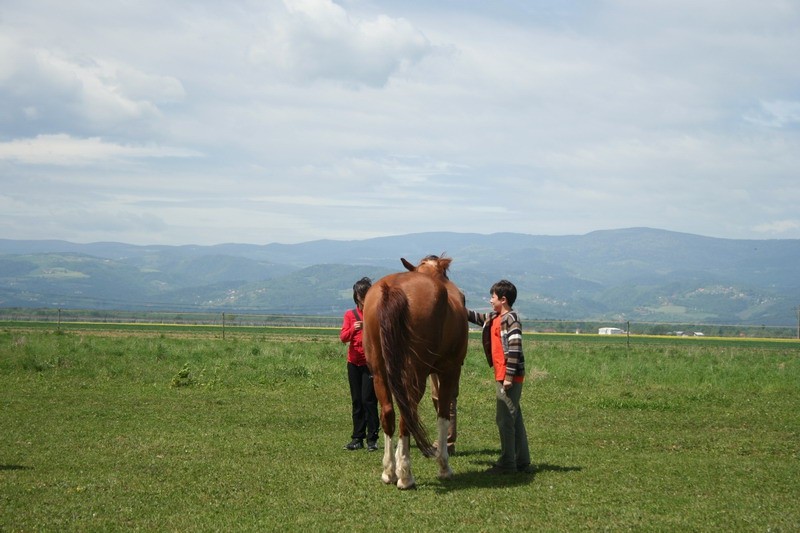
x: 632, y: 274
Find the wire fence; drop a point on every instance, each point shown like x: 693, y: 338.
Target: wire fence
x: 166, y: 317
x: 232, y: 319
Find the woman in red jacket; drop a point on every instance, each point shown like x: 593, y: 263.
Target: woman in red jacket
x: 362, y: 392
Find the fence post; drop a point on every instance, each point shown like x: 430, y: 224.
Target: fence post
x: 223, y: 326
x: 798, y: 322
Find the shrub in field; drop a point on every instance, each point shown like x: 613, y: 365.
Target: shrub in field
x: 183, y: 378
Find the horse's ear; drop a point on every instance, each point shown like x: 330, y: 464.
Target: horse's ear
x: 408, y: 265
x: 444, y: 263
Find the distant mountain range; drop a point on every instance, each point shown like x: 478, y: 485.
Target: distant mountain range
x: 636, y: 274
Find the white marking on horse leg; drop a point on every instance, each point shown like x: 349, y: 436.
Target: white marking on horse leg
x: 405, y: 479
x: 388, y: 476
x: 445, y: 472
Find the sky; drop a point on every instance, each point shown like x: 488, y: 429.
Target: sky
x: 268, y: 121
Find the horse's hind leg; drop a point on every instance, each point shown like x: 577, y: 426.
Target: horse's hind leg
x: 387, y: 421
x: 405, y: 479
x: 389, y: 476
x: 445, y: 472
x: 448, y: 389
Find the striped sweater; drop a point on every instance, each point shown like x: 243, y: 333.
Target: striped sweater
x: 511, y: 336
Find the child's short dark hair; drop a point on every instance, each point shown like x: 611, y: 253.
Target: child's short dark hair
x: 360, y: 289
x: 505, y: 288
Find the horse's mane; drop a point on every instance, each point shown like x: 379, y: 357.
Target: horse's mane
x: 431, y: 264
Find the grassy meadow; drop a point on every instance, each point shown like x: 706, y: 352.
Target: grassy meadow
x: 111, y: 429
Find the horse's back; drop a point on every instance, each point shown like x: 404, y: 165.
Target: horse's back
x: 437, y: 314
x: 431, y: 301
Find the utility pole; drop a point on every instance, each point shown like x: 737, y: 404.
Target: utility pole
x: 798, y: 321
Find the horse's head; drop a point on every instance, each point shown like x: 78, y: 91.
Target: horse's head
x: 432, y: 264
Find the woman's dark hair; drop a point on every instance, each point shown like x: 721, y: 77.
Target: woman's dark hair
x: 360, y: 289
x: 505, y: 288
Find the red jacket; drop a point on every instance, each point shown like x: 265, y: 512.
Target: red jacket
x: 355, y: 351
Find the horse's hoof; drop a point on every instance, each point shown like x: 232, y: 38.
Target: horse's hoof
x: 411, y: 485
x: 446, y: 475
x: 389, y: 480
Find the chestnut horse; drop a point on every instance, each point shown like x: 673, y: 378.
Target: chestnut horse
x: 415, y: 324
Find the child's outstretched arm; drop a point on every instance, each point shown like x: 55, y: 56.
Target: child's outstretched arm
x: 476, y: 318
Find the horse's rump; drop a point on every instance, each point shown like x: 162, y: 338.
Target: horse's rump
x: 397, y: 347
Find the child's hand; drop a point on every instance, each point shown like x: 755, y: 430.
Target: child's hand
x: 506, y: 384
x: 358, y: 325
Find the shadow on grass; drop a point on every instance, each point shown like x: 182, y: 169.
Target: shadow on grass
x: 480, y: 479
x: 15, y: 467
x: 544, y: 467
x: 468, y: 452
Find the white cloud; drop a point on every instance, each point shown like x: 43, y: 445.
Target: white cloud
x: 64, y: 150
x: 318, y: 39
x: 46, y: 88
x: 778, y: 227
x: 776, y: 114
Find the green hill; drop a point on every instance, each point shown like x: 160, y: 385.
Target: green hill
x: 636, y: 274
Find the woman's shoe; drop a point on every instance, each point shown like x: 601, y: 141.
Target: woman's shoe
x: 355, y: 444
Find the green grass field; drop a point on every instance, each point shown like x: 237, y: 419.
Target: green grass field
x: 108, y: 428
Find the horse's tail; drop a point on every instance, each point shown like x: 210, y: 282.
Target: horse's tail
x: 393, y: 318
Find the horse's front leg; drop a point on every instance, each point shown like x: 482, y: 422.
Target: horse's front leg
x: 405, y: 479
x: 445, y: 472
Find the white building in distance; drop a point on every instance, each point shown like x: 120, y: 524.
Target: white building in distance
x: 610, y: 331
